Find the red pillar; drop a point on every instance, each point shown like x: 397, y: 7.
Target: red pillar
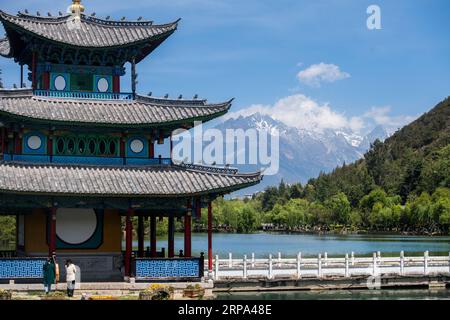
x: 128, y: 242
x: 151, y: 149
x: 116, y: 84
x: 46, y: 81
x: 18, y: 143
x: 210, y: 253
x: 141, y: 237
x: 171, y: 242
x: 161, y: 137
x: 52, y: 233
x: 187, y: 235
x: 153, y: 236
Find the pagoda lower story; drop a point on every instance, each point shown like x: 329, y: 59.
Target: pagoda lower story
x: 76, y: 212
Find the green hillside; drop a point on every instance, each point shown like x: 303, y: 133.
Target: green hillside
x: 413, y: 160
x: 401, y: 185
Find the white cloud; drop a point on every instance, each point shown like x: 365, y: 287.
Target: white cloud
x: 304, y: 113
x: 315, y: 74
x: 381, y: 116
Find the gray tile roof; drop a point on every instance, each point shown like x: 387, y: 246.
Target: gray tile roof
x: 5, y: 49
x: 93, y: 32
x: 152, y: 181
x: 141, y: 112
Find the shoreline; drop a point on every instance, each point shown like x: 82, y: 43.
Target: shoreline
x: 332, y: 232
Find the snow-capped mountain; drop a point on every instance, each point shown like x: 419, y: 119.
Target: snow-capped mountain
x: 304, y: 154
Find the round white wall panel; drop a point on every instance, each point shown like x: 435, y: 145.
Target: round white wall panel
x: 75, y: 226
x: 34, y: 142
x: 60, y: 83
x: 103, y: 85
x: 137, y: 146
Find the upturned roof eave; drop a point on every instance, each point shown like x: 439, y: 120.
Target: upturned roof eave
x: 148, y: 44
x: 250, y: 180
x: 217, y: 110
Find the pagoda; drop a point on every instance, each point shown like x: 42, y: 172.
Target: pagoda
x: 77, y: 154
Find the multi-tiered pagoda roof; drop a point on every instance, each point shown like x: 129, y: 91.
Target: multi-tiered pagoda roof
x: 54, y: 45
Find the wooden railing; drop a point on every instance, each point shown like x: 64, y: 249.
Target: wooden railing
x: 323, y: 266
x: 83, y: 95
x: 116, y: 161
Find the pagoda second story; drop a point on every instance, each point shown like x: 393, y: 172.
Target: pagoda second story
x: 75, y: 111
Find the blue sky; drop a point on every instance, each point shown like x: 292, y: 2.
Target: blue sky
x: 255, y: 51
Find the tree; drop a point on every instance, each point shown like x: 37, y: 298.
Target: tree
x: 340, y: 208
x: 248, y: 220
x: 7, y: 229
x: 269, y: 198
x: 375, y: 161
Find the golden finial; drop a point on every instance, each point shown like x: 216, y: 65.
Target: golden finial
x: 76, y: 8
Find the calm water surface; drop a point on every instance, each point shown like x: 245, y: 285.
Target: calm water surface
x: 263, y: 244
x: 341, y: 295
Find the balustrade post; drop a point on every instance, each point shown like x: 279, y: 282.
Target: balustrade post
x: 245, y: 266
x: 279, y: 259
x: 230, y: 260
x: 253, y: 260
x: 425, y: 263
x: 216, y: 274
x: 353, y: 258
x: 347, y: 274
x: 402, y: 263
x: 299, y: 264
x: 374, y: 264
x: 379, y: 257
x: 270, y: 267
x: 319, y: 265
x: 325, y: 258
x: 449, y: 262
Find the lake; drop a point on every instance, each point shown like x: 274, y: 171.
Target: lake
x: 400, y: 294
x: 263, y: 244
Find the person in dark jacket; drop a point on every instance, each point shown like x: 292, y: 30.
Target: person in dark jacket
x: 49, y: 275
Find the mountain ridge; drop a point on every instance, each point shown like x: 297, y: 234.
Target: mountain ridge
x: 304, y: 154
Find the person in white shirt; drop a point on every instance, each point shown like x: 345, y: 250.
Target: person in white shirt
x: 71, y: 270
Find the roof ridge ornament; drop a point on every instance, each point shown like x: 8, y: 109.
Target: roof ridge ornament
x: 76, y: 8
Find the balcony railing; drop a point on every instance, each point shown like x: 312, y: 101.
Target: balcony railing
x: 74, y: 160
x: 84, y: 95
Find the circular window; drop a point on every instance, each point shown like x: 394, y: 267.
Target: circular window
x: 103, y: 85
x: 75, y: 226
x: 60, y: 83
x: 136, y: 146
x: 34, y: 142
